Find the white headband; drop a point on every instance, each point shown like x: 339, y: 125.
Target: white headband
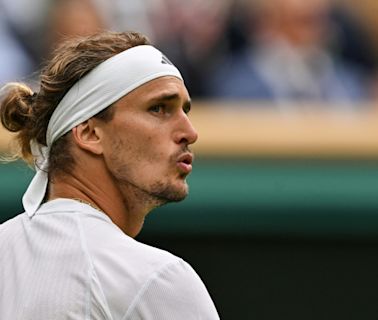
x: 104, y: 85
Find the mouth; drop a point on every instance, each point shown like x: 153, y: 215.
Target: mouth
x: 184, y: 163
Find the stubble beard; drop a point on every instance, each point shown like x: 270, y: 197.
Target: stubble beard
x: 153, y: 196
x: 164, y: 194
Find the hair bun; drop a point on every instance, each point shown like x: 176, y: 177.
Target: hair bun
x: 16, y: 106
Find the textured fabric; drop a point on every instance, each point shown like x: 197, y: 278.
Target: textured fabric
x: 69, y: 261
x: 104, y: 85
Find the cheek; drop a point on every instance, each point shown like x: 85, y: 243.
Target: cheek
x: 152, y: 154
x: 138, y: 147
x: 149, y: 142
x: 137, y: 152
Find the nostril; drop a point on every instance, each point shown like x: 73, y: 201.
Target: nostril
x: 183, y: 141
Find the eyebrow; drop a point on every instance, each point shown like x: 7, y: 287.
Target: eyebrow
x: 169, y: 97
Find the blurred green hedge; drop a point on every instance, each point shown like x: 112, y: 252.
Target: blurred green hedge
x: 254, y: 197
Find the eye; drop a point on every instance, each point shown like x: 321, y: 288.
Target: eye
x: 187, y: 108
x: 157, y: 108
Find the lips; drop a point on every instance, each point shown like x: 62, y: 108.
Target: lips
x: 184, y: 162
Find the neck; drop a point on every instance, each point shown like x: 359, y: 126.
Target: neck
x: 95, y: 186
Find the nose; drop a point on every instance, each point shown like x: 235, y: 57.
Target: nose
x: 185, y: 133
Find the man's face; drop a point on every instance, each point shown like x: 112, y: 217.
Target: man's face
x: 146, y: 143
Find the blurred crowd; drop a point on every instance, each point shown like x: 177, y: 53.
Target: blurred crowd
x: 271, y: 50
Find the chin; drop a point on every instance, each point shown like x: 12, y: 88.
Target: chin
x: 170, y: 193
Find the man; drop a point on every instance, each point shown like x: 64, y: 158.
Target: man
x: 109, y: 133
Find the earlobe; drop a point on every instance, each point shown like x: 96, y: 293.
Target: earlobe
x: 87, y: 136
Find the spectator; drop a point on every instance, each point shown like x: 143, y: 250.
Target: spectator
x: 289, y: 58
x: 17, y: 55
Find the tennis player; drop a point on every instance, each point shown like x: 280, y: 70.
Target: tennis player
x: 109, y: 135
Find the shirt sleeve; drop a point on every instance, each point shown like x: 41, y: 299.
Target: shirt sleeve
x: 174, y: 292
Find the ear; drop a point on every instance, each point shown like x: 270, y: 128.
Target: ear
x: 87, y: 136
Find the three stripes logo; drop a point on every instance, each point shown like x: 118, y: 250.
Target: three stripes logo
x: 165, y: 60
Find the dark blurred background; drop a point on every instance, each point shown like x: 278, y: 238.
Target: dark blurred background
x: 282, y: 217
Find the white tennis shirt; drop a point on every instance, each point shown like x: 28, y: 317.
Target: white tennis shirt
x: 71, y: 261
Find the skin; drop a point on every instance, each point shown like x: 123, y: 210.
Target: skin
x: 137, y: 161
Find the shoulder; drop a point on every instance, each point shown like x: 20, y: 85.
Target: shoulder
x: 141, y: 281
x: 11, y: 228
x: 122, y: 265
x: 7, y: 231
x: 173, y: 292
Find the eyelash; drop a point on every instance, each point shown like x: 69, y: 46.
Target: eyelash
x: 154, y: 108
x: 161, y: 108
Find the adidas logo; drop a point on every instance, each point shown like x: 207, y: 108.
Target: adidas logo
x: 165, y: 60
